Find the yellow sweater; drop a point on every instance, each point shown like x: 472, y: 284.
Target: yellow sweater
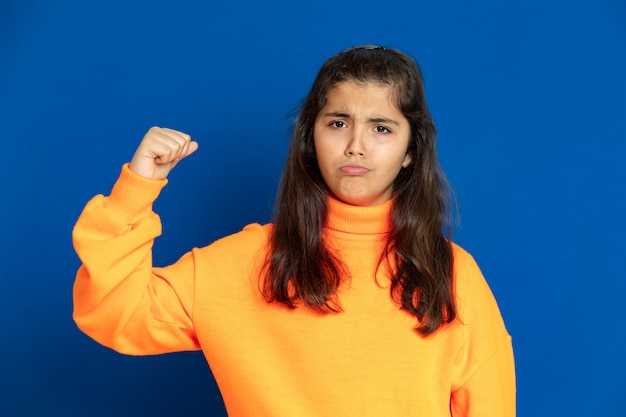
x: 269, y: 360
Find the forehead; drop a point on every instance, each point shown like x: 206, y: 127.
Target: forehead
x: 363, y: 95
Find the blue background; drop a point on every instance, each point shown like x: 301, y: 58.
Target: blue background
x: 528, y: 97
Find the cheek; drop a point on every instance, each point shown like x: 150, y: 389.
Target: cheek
x: 321, y: 162
x: 323, y: 151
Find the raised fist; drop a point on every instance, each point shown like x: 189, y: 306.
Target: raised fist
x: 159, y: 152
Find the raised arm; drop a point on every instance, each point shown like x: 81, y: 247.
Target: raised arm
x: 120, y: 300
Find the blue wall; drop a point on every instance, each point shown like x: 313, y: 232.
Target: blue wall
x: 530, y: 102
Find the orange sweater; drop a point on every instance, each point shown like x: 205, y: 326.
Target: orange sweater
x: 269, y: 360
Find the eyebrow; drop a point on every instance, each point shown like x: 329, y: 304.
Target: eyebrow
x: 371, y: 119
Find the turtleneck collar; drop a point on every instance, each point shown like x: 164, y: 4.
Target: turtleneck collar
x: 361, y: 220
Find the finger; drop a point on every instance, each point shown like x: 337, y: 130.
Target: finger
x: 189, y: 149
x: 164, y: 146
x: 180, y: 137
x: 179, y: 142
x: 187, y: 145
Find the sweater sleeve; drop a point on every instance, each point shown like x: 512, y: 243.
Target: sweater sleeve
x: 120, y: 300
x: 485, y: 382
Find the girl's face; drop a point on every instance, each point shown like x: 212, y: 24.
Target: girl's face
x: 361, y: 140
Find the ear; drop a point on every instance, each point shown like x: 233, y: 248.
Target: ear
x: 407, y: 160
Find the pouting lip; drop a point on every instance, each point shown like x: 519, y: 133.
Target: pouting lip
x: 354, y: 169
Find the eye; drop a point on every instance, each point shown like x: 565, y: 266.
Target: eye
x: 337, y: 124
x: 382, y: 129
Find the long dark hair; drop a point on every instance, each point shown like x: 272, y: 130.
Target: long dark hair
x: 300, y: 268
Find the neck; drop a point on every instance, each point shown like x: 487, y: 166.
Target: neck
x: 364, y: 220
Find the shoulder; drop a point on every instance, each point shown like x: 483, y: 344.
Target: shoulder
x: 466, y: 271
x: 247, y: 241
x: 462, y: 258
x: 233, y: 256
x: 473, y: 295
x: 465, y: 267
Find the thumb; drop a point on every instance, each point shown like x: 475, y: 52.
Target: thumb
x: 193, y: 146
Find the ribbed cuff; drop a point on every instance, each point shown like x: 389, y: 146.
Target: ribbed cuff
x: 132, y: 195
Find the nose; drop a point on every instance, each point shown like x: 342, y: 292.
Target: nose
x: 356, y: 144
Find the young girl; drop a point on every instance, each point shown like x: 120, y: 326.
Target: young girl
x: 353, y: 302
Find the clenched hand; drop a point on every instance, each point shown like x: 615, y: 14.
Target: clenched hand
x: 159, y: 151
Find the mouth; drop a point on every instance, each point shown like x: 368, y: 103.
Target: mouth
x: 354, y: 170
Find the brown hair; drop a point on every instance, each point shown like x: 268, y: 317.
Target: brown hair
x: 300, y: 268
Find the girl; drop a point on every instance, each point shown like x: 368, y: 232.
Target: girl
x: 353, y: 302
